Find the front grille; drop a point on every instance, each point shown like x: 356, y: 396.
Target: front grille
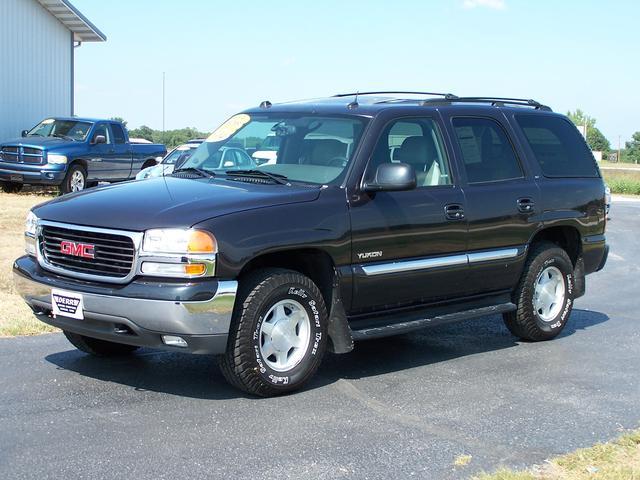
x: 114, y: 254
x: 21, y: 154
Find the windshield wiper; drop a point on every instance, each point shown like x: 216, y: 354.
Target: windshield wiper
x: 66, y: 137
x: 199, y: 171
x: 276, y: 177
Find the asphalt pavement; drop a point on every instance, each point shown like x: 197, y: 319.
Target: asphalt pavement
x: 402, y: 407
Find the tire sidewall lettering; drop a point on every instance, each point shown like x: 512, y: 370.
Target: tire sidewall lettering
x: 310, y: 304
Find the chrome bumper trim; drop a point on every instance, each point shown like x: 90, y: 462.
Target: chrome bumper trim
x: 209, y: 317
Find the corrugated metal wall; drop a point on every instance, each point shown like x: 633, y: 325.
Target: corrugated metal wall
x: 35, y: 66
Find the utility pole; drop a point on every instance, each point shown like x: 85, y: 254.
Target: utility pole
x: 163, y: 104
x: 619, y: 159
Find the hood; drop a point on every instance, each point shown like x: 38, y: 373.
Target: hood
x: 44, y: 142
x: 167, y: 202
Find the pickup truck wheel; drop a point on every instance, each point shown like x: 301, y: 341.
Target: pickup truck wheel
x: 11, y: 187
x: 75, y: 180
x: 278, y: 333
x: 99, y: 348
x: 544, y: 296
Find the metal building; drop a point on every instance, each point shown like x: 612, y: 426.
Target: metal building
x: 37, y: 41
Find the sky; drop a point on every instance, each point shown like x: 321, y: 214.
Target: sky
x: 220, y: 57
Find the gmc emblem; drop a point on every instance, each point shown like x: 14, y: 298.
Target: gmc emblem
x: 84, y: 250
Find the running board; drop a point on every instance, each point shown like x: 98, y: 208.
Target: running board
x: 397, y: 328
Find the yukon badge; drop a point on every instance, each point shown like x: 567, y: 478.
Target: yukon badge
x: 367, y: 255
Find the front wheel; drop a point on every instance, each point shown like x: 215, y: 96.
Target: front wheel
x: 75, y: 180
x: 544, y: 296
x: 278, y: 333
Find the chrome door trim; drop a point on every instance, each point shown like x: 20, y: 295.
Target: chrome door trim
x: 439, y: 262
x: 411, y: 265
x: 501, y: 254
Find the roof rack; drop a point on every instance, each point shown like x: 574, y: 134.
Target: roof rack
x: 389, y: 92
x: 495, y: 101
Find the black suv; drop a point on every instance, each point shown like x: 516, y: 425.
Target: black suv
x: 378, y: 214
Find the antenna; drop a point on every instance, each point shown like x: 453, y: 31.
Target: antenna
x: 353, y: 105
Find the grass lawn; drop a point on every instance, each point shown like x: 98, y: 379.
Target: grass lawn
x: 606, y: 164
x: 16, y: 318
x: 616, y: 460
x: 623, y: 181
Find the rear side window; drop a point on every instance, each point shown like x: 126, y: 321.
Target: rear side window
x: 118, y: 133
x: 486, y: 151
x: 558, y: 146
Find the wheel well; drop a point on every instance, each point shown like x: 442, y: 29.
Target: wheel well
x: 567, y: 238
x: 150, y: 162
x: 315, y: 264
x: 80, y: 162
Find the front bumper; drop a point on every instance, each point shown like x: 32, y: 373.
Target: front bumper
x: 32, y: 174
x: 137, y: 314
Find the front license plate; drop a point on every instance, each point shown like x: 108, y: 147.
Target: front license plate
x: 16, y: 178
x: 67, y: 304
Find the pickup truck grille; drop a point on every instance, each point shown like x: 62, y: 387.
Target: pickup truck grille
x: 86, y: 252
x: 20, y: 154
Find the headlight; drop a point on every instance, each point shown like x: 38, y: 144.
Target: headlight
x: 56, y: 159
x: 30, y: 230
x: 173, y: 240
x: 172, y: 252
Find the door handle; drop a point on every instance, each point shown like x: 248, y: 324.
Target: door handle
x: 454, y: 211
x: 526, y: 205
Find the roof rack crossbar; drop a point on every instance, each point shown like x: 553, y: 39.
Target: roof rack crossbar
x: 389, y: 92
x: 497, y: 101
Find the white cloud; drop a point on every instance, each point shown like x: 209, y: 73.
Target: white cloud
x: 492, y: 4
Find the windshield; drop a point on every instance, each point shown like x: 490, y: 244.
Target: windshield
x: 176, y: 153
x: 308, y: 149
x: 70, y: 129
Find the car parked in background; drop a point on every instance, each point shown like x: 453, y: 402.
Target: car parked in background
x: 168, y: 163
x: 73, y: 154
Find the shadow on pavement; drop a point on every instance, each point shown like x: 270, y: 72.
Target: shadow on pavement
x: 198, y: 376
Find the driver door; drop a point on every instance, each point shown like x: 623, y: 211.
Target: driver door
x: 409, y: 247
x: 102, y: 156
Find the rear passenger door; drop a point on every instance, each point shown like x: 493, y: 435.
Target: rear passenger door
x: 409, y: 247
x: 503, y: 201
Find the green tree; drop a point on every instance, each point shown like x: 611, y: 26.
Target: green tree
x: 595, y: 138
x: 119, y: 119
x: 142, y: 132
x: 632, y: 149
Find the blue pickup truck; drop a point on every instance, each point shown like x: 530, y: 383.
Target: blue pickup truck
x: 73, y: 153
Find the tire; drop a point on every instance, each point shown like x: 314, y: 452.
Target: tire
x: 11, y: 187
x: 270, y: 302
x: 75, y: 180
x: 542, y: 310
x: 98, y: 348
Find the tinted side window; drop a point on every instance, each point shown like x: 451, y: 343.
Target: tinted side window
x: 558, y: 146
x: 415, y: 141
x: 118, y: 133
x: 486, y: 151
x: 103, y: 130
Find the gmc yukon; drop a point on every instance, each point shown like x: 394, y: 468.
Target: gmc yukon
x: 381, y: 214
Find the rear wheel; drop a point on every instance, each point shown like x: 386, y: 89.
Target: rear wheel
x: 75, y: 180
x: 278, y: 334
x: 544, y: 296
x: 11, y: 187
x: 99, y: 348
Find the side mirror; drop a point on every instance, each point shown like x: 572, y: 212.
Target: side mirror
x: 24, y: 133
x: 392, y: 177
x: 99, y: 139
